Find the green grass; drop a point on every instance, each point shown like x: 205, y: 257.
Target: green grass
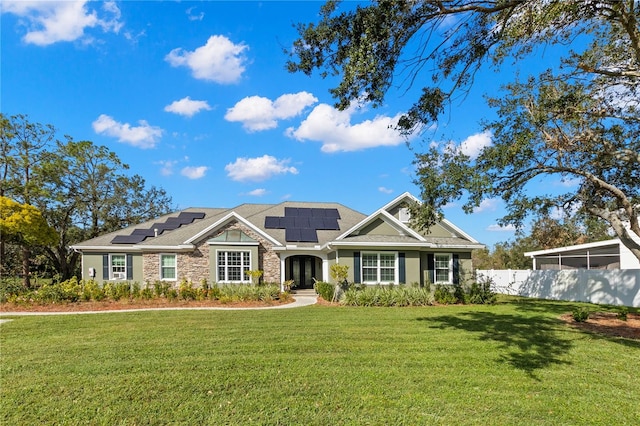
x: 507, y: 364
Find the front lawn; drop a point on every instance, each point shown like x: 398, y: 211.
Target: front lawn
x: 511, y: 363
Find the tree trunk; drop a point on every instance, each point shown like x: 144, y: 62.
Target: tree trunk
x: 26, y: 267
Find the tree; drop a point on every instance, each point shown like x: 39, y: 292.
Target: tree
x: 24, y: 225
x: 577, y: 120
x: 22, y: 145
x: 81, y: 189
x: 89, y: 195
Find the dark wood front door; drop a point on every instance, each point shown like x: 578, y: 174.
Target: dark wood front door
x: 302, y: 269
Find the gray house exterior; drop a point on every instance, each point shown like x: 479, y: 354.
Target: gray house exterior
x: 288, y: 241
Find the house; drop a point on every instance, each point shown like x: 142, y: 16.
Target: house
x: 609, y: 254
x: 288, y: 241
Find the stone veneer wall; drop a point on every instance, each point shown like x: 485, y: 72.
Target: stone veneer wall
x: 268, y: 260
x: 194, y: 266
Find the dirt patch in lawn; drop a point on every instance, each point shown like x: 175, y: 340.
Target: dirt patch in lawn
x: 608, y: 324
x: 135, y: 304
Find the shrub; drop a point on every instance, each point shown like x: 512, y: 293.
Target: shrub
x: 135, y: 290
x: 386, y: 296
x: 325, y: 290
x: 49, y: 294
x: 172, y: 294
x: 10, y: 287
x: 623, y: 313
x: 481, y: 293
x: 186, y: 290
x: 161, y: 288
x: 214, y: 292
x: 580, y: 314
x: 459, y: 294
x: 146, y: 293
x: 120, y: 291
x: 443, y: 295
x: 92, y: 291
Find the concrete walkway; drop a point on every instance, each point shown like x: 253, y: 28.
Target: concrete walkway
x: 300, y: 300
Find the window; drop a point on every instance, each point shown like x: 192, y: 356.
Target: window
x: 168, y: 267
x: 118, y: 267
x: 404, y: 215
x: 233, y: 265
x: 443, y: 268
x: 379, y: 267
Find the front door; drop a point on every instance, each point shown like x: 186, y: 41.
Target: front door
x: 302, y: 269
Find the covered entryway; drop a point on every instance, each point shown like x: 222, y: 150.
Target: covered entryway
x: 303, y: 269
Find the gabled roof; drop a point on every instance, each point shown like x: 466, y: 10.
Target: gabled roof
x: 404, y: 235
x: 176, y: 231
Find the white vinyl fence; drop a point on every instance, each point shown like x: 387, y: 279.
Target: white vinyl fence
x: 615, y: 287
x: 504, y: 281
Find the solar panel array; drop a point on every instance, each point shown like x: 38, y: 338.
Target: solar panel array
x: 301, y: 223
x: 138, y: 235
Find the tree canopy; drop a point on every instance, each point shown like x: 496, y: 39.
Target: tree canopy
x: 81, y: 189
x: 576, y: 121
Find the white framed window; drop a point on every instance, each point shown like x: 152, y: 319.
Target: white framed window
x: 118, y: 267
x: 443, y: 265
x: 233, y: 265
x: 379, y: 267
x: 168, y: 267
x: 404, y: 215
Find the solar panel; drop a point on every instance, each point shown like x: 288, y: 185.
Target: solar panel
x: 144, y: 232
x: 291, y: 211
x: 272, y: 222
x: 316, y: 222
x: 304, y: 212
x: 127, y: 239
x: 287, y: 222
x: 301, y: 222
x: 333, y: 213
x: 138, y: 235
x: 191, y: 216
x: 292, y: 234
x: 165, y: 226
x: 308, y: 235
x: 330, y: 224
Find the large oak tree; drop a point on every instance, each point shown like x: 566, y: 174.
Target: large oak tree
x: 577, y: 120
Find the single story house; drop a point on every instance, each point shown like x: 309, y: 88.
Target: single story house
x: 288, y: 241
x: 609, y: 254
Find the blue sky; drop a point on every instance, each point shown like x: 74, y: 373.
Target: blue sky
x: 195, y: 97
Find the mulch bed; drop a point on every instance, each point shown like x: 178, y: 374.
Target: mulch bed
x: 607, y: 323
x: 134, y: 304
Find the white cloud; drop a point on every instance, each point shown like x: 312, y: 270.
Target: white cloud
x: 219, y: 60
x: 258, y: 113
x: 258, y: 169
x: 187, y: 107
x: 498, y: 228
x: 194, y: 172
x: 334, y: 129
x: 142, y: 136
x: 166, y: 168
x: 193, y: 16
x: 487, y: 205
x: 474, y: 144
x: 258, y: 192
x: 50, y: 22
x: 385, y: 190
